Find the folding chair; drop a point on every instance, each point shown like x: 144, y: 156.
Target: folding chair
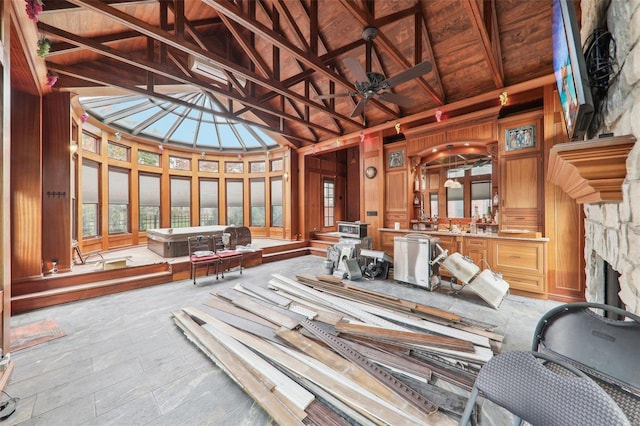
x: 521, y: 383
x: 202, y: 252
x: 604, y: 348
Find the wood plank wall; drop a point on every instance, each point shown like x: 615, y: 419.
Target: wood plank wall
x: 26, y: 187
x: 56, y: 175
x: 564, y: 218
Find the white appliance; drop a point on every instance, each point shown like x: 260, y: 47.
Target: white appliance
x: 411, y: 260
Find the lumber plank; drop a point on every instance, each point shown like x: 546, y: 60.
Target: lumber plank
x: 249, y: 383
x: 347, y: 368
x: 367, y: 404
x: 265, y: 293
x: 225, y: 306
x: 405, y: 336
x: 265, y: 312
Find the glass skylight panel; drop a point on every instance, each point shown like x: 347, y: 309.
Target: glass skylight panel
x: 176, y: 123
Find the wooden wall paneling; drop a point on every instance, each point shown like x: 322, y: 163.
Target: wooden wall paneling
x: 26, y: 186
x: 134, y: 195
x: 420, y: 143
x: 373, y: 190
x: 5, y: 179
x: 290, y: 197
x: 56, y: 174
x: 353, y: 184
x: 397, y: 189
x: 104, y: 191
x: 566, y: 263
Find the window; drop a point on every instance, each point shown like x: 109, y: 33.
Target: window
x: 235, y: 203
x: 90, y: 199
x: 257, y: 167
x: 208, y: 166
x: 149, y: 189
x: 455, y: 202
x: 118, y: 152
x: 179, y: 163
x: 276, y: 202
x: 481, y: 169
x: 277, y: 165
x: 180, y: 202
x: 480, y: 197
x: 209, y: 202
x: 148, y: 158
x: 118, y: 201
x: 234, y: 167
x: 90, y: 142
x: 258, y: 211
x: 328, y: 202
x: 433, y: 199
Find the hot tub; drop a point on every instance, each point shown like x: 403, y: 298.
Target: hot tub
x: 172, y: 242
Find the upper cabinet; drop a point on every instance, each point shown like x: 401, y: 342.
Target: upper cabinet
x: 521, y: 172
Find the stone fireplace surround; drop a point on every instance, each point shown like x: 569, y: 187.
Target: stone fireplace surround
x: 612, y: 229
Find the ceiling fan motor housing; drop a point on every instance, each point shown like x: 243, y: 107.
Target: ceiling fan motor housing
x: 369, y: 33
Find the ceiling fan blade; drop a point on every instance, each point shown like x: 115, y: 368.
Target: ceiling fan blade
x: 394, y: 98
x: 410, y: 74
x: 356, y: 69
x: 359, y: 107
x: 334, y: 95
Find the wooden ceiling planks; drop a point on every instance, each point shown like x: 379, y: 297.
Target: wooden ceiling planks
x: 299, y: 48
x: 364, y: 376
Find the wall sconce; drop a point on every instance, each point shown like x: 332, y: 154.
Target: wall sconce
x: 438, y: 115
x: 118, y: 136
x: 239, y: 157
x: 504, y: 97
x: 84, y: 117
x: 397, y: 127
x: 286, y: 176
x: 361, y: 137
x: 73, y: 148
x: 338, y: 142
x: 202, y: 155
x: 161, y: 148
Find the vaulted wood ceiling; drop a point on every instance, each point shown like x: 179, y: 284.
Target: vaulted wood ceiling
x: 278, y: 56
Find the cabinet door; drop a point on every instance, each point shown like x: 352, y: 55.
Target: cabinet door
x: 521, y: 204
x: 476, y: 249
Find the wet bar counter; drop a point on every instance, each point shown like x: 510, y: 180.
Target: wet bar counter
x: 521, y: 260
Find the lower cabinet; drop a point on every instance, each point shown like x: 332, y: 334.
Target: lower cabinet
x: 522, y: 263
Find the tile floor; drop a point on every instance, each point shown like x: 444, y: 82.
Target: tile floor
x: 124, y: 362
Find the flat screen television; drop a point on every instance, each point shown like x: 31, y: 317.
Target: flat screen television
x: 570, y: 70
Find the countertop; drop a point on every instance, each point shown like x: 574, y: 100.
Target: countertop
x: 465, y: 235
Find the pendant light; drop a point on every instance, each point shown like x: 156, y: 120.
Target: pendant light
x: 450, y: 183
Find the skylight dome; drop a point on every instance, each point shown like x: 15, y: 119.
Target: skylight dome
x: 192, y: 120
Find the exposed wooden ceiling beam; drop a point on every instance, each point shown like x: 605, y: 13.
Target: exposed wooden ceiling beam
x: 477, y: 24
x: 192, y: 49
x: 277, y: 40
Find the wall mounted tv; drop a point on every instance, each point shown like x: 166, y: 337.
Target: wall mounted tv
x: 570, y: 70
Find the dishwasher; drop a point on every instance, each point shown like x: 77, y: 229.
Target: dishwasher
x: 412, y: 256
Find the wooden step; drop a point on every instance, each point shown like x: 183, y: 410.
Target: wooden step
x: 286, y: 254
x: 285, y: 247
x: 56, y: 296
x: 49, y: 282
x: 332, y: 237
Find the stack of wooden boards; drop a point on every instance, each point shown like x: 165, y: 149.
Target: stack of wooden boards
x: 318, y: 351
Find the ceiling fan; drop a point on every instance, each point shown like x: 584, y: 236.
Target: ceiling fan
x: 373, y: 84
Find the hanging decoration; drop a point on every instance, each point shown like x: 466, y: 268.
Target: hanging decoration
x: 44, y: 45
x: 34, y: 7
x: 52, y: 78
x: 84, y: 117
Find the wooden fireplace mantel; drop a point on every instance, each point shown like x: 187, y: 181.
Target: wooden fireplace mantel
x: 591, y: 171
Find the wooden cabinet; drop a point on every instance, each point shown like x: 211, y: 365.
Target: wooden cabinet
x: 521, y: 173
x: 477, y: 248
x: 522, y: 263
